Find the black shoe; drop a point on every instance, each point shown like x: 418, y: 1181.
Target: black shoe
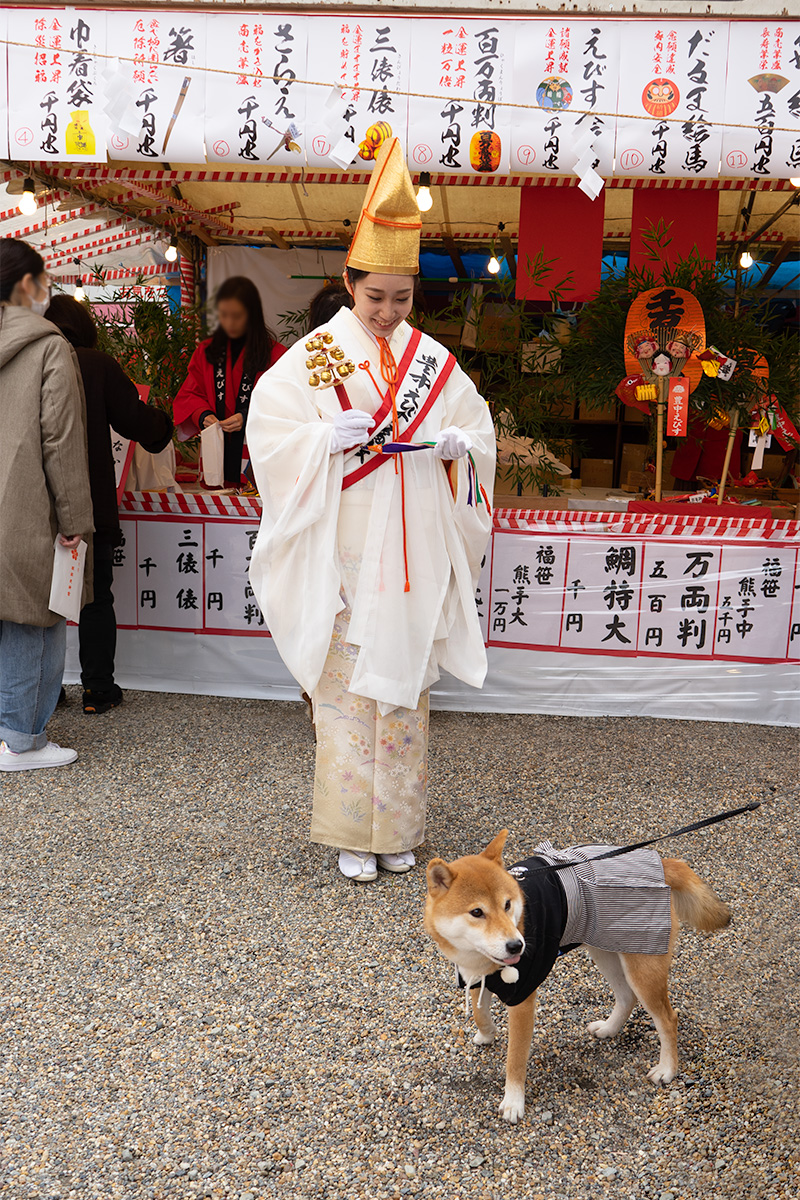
x: 95, y: 702
x: 62, y: 697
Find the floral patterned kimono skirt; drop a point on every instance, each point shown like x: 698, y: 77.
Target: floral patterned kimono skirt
x: 370, y: 783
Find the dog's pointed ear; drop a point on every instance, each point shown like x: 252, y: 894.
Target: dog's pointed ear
x: 494, y: 851
x: 439, y: 876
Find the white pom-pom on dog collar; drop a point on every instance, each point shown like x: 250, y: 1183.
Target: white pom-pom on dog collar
x: 509, y: 974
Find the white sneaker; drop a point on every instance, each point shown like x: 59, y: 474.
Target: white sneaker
x: 399, y: 863
x: 358, y: 865
x: 50, y: 755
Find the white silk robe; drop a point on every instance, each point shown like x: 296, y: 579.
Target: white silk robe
x: 320, y: 548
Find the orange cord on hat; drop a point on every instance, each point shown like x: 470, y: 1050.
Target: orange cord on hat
x: 389, y: 376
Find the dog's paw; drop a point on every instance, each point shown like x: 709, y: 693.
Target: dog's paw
x: 512, y: 1106
x: 662, y: 1074
x: 485, y: 1039
x: 601, y: 1029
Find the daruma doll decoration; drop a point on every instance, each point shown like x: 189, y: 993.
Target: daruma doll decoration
x: 485, y: 149
x: 374, y: 138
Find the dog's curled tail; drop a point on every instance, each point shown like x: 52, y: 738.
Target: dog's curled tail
x: 695, y: 903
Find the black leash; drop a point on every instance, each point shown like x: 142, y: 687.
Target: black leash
x: 723, y: 816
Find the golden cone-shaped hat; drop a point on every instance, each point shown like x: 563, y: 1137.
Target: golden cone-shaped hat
x: 386, y: 240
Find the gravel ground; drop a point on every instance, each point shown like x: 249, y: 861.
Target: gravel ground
x: 194, y: 1003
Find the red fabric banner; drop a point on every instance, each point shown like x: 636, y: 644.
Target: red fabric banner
x: 566, y: 226
x: 692, y: 217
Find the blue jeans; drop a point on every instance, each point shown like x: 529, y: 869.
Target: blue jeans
x: 31, y: 670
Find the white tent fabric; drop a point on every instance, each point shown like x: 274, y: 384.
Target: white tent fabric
x: 272, y: 272
x: 517, y: 682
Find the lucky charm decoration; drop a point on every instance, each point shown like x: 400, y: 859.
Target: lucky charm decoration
x: 327, y: 363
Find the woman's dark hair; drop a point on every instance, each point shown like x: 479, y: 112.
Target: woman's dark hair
x: 17, y: 259
x: 74, y: 320
x: 259, y: 343
x: 354, y: 274
x: 327, y: 302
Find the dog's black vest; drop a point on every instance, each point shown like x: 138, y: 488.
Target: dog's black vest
x: 545, y: 920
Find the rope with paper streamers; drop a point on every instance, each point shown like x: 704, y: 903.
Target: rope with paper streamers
x: 588, y: 112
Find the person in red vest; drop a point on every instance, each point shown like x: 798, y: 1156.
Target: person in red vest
x: 224, y: 369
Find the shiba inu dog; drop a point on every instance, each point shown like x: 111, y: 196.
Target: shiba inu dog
x: 504, y: 929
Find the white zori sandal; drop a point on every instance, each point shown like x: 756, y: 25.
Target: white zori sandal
x: 358, y: 865
x: 398, y: 863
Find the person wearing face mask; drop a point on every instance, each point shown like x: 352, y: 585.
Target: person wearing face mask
x: 374, y: 456
x: 223, y: 371
x: 44, y: 484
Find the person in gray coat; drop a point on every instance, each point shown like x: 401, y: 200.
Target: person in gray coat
x: 44, y: 494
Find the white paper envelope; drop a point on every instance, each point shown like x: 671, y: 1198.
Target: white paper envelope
x: 67, y: 586
x: 212, y: 451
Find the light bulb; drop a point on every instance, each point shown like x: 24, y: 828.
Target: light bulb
x: 424, y: 199
x: 746, y: 260
x: 79, y: 293
x: 493, y: 266
x: 795, y: 182
x: 171, y: 252
x: 27, y: 204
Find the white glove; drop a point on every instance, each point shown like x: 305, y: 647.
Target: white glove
x: 350, y: 428
x: 452, y: 443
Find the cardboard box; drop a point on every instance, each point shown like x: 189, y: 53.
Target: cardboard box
x: 498, y: 333
x: 551, y: 503
x: 606, y: 412
x: 540, y: 356
x: 631, y: 415
x: 597, y: 472
x: 446, y: 332
x: 633, y: 459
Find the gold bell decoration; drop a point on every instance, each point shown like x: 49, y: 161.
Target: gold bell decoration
x: 327, y: 362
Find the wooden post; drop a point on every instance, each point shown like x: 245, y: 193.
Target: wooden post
x: 663, y: 385
x: 728, y: 452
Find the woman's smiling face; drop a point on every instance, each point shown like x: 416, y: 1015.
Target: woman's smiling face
x: 381, y: 302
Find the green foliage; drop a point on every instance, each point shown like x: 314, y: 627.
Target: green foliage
x: 513, y: 353
x: 594, y: 361
x: 151, y: 340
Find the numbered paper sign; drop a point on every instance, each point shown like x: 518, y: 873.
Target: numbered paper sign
x: 126, y: 598
x: 460, y: 72
x: 230, y: 603
x: 56, y: 85
x: 255, y: 108
x: 169, y: 573
x: 671, y: 98
x: 527, y: 597
x: 762, y: 100
x: 602, y: 596
x: 566, y: 74
x: 157, y: 102
x: 756, y: 594
x: 359, y: 102
x: 4, y: 151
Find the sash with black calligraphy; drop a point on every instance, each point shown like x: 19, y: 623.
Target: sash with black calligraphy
x: 223, y: 386
x: 421, y: 374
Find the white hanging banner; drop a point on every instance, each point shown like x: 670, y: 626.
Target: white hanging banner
x: 763, y: 89
x: 56, y: 82
x: 570, y: 69
x: 158, y: 99
x: 468, y: 64
x: 361, y: 63
x: 255, y: 108
x: 674, y: 78
x: 4, y: 153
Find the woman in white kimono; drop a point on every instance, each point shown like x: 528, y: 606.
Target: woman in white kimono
x: 374, y: 456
